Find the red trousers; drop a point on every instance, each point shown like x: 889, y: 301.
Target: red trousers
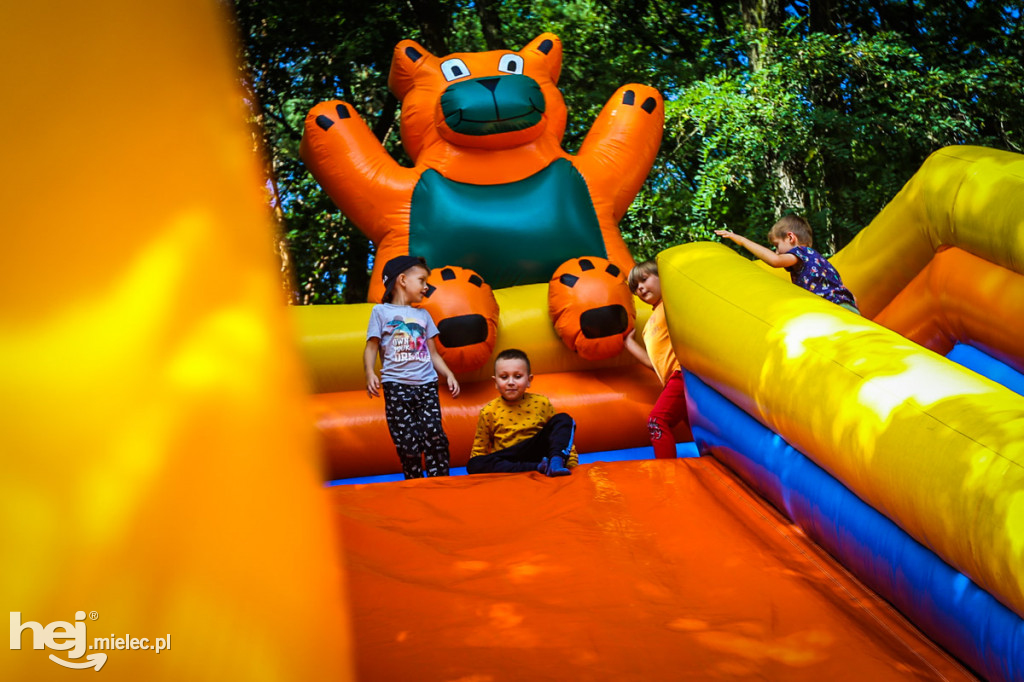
x: 668, y: 411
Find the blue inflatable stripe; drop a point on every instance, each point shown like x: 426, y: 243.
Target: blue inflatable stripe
x: 647, y: 452
x: 987, y: 366
x: 942, y: 602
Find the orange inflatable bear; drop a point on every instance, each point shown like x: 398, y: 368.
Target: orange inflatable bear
x: 492, y: 190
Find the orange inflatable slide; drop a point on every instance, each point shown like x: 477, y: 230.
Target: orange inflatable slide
x: 630, y: 570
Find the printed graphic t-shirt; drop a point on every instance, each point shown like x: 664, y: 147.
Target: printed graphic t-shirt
x: 403, y: 332
x: 817, y: 275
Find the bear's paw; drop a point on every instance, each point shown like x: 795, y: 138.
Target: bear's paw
x: 462, y: 306
x: 591, y: 307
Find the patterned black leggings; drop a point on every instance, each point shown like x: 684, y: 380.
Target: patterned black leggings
x: 414, y: 421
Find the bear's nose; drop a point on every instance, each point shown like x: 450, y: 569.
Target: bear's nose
x: 489, y: 83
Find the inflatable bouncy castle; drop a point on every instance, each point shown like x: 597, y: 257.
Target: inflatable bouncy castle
x: 516, y: 230
x: 840, y: 453
x: 873, y: 447
x: 162, y: 481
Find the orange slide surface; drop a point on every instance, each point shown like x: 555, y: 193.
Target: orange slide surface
x: 634, y: 570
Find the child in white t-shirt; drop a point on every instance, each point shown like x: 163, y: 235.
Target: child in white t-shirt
x: 403, y: 336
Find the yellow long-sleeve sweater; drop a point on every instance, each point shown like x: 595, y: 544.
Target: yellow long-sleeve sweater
x: 503, y: 424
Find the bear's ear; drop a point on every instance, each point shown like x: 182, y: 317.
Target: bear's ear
x: 547, y: 49
x: 408, y: 58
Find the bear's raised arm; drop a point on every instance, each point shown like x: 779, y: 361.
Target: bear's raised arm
x: 354, y: 168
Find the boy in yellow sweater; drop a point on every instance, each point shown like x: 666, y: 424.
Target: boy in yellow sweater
x: 520, y: 431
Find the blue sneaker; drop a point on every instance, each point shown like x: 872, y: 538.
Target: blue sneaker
x: 557, y: 467
x: 543, y: 466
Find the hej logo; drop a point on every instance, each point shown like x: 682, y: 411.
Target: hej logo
x: 71, y: 637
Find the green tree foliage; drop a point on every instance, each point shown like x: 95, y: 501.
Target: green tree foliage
x: 834, y: 122
x: 824, y: 108
x: 294, y: 55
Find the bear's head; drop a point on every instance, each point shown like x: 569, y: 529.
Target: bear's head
x: 483, y: 100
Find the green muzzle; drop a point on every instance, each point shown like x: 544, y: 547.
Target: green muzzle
x: 492, y: 105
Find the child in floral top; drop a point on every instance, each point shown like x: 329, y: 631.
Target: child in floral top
x: 807, y: 268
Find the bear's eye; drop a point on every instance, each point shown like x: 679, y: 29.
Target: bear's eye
x: 454, y: 69
x: 510, y: 63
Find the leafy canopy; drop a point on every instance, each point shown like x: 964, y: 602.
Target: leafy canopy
x: 825, y: 109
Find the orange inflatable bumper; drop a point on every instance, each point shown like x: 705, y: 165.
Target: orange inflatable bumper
x: 959, y: 297
x: 610, y: 408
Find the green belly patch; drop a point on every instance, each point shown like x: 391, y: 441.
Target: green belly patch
x: 511, y: 234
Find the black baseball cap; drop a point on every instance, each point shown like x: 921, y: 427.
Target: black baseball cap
x: 395, y: 267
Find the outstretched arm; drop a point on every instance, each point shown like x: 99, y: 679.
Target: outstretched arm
x: 354, y: 168
x: 776, y: 260
x: 620, y: 148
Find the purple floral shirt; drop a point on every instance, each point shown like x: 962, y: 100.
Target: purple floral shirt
x: 817, y: 275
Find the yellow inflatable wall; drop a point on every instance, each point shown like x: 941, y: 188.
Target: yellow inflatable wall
x: 332, y: 338
x: 160, y: 479
x: 934, y: 446
x: 965, y: 197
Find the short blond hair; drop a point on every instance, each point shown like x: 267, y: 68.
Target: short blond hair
x: 640, y: 272
x: 795, y: 224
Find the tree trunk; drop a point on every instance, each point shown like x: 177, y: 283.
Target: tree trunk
x: 357, y: 277
x: 760, y: 15
x: 435, y: 21
x: 819, y: 16
x: 490, y: 23
x: 262, y: 149
x: 760, y: 18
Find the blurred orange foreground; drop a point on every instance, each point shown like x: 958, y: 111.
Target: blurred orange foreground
x: 643, y: 570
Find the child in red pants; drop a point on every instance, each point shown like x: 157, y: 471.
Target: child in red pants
x: 656, y: 353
